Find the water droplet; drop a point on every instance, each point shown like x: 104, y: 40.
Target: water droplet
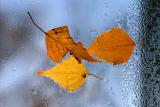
x: 13, y: 69
x: 93, y: 32
x: 106, y: 4
x: 46, y: 97
x: 34, y: 91
x: 106, y: 81
x: 120, y: 25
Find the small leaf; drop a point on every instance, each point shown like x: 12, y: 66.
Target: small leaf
x: 56, y: 42
x: 114, y: 46
x: 69, y: 74
x: 82, y: 53
x: 59, y: 42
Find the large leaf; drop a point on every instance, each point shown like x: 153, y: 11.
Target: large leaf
x: 69, y: 74
x: 114, y: 46
x: 59, y: 42
x: 56, y: 42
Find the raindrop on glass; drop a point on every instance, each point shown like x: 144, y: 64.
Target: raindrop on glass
x: 93, y: 33
x: 34, y: 91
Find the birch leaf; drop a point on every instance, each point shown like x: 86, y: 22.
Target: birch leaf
x: 69, y: 74
x: 56, y: 42
x: 59, y: 42
x: 82, y: 53
x: 114, y: 46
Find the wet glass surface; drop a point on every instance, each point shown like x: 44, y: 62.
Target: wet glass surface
x: 23, y: 52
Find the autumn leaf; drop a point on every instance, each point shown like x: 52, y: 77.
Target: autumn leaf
x: 114, y: 46
x: 69, y: 74
x: 59, y: 43
x: 82, y: 53
x: 56, y: 42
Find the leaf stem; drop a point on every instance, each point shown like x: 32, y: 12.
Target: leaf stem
x: 36, y: 24
x: 139, y: 42
x: 96, y: 76
x: 45, y: 32
x: 51, y: 36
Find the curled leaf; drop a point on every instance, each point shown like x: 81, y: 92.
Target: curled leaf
x: 59, y: 42
x: 56, y: 42
x: 82, y: 53
x: 114, y: 46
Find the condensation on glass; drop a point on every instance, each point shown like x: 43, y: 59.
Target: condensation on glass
x: 23, y: 52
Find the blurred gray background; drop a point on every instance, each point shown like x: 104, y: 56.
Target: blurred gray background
x: 23, y: 52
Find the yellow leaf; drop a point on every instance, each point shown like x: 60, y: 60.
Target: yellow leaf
x: 114, y: 46
x: 69, y: 74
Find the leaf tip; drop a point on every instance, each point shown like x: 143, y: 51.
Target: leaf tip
x: 39, y: 73
x: 140, y: 42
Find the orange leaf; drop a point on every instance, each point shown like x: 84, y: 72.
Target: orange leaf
x: 59, y: 42
x: 82, y: 53
x: 114, y: 46
x: 56, y: 42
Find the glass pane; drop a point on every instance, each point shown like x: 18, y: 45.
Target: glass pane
x: 23, y: 52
